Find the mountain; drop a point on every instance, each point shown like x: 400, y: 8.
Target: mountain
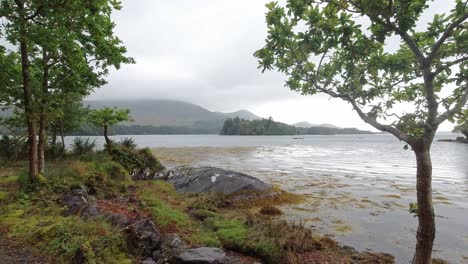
x: 305, y: 124
x: 169, y: 116
x: 160, y: 112
x: 243, y: 114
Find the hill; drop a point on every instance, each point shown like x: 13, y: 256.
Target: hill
x: 243, y: 114
x: 305, y: 124
x: 166, y: 117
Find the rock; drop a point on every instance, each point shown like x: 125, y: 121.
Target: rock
x: 119, y: 220
x: 202, y: 255
x: 213, y: 180
x: 148, y: 174
x: 143, y: 235
x: 171, y: 248
x: 78, y: 202
x: 270, y: 210
x: 148, y: 261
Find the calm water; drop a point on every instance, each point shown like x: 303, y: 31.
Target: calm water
x: 358, y: 187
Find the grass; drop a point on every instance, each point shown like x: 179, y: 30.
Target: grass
x: 43, y: 226
x: 200, y: 220
x: 35, y: 217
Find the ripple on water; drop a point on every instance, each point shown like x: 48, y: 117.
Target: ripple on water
x: 367, y: 185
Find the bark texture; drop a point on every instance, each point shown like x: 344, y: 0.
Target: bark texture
x: 42, y: 115
x: 108, y: 140
x: 28, y: 98
x: 426, y: 229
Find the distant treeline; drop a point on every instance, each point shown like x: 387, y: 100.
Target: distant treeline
x: 232, y: 126
x: 237, y: 126
x: 87, y: 129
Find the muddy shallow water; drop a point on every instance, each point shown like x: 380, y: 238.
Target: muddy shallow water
x: 357, y: 187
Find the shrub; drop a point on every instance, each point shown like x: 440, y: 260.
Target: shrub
x: 54, y: 150
x: 13, y: 148
x: 82, y: 146
x: 136, y: 160
x: 128, y: 143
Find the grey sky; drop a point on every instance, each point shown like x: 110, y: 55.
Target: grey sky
x: 201, y: 52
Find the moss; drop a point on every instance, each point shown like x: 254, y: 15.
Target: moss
x: 231, y: 232
x: 205, y: 238
x: 3, y: 195
x: 61, y: 236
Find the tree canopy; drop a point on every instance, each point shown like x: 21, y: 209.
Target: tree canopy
x: 340, y: 48
x: 321, y: 47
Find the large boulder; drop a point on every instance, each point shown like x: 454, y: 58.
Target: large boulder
x: 213, y: 180
x: 78, y: 202
x: 143, y: 236
x: 202, y: 255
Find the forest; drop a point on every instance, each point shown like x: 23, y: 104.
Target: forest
x: 238, y: 126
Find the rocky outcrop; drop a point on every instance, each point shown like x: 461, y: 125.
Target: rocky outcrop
x: 202, y: 255
x: 142, y: 235
x: 213, y: 180
x: 78, y: 202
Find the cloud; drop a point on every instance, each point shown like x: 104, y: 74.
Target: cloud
x: 202, y: 52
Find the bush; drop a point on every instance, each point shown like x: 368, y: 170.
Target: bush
x: 54, y: 150
x: 136, y: 160
x: 82, y: 146
x: 13, y: 148
x: 128, y: 143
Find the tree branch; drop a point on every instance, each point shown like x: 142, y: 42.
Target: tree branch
x: 444, y: 36
x: 385, y: 128
x: 447, y: 65
x: 457, y: 108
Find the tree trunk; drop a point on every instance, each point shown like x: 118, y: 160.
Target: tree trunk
x: 28, y: 100
x: 108, y: 141
x: 54, y: 135
x: 426, y: 229
x: 42, y: 114
x: 62, y: 136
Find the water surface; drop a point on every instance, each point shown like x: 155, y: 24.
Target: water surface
x: 358, y: 187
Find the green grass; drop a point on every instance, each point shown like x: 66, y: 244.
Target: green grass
x: 45, y: 228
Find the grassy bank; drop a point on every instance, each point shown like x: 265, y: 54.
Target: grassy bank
x: 34, y: 215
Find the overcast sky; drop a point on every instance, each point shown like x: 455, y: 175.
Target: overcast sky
x: 201, y: 52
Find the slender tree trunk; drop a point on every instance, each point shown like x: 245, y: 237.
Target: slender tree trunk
x: 28, y: 100
x: 108, y: 141
x: 62, y: 136
x: 42, y: 114
x: 426, y: 230
x: 54, y: 135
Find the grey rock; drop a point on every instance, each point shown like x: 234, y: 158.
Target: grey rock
x: 148, y: 174
x: 119, y: 220
x: 202, y: 255
x: 78, y: 202
x: 148, y: 261
x: 156, y: 255
x: 144, y: 235
x: 171, y: 248
x: 213, y: 180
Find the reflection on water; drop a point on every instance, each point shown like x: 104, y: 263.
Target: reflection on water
x: 358, y: 187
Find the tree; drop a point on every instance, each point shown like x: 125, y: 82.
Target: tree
x: 69, y: 116
x: 108, y: 117
x: 322, y: 48
x: 59, y: 41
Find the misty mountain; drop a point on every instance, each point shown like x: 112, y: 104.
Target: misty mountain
x: 170, y: 112
x: 243, y: 114
x: 305, y: 124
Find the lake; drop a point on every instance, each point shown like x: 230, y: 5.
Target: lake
x: 357, y: 187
